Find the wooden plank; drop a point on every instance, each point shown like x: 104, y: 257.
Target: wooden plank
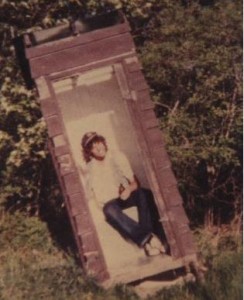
x: 81, y: 55
x: 67, y: 204
x: 177, y: 214
x: 42, y: 87
x: 144, y: 100
x: 59, y: 145
x: 91, y: 66
x: 160, y: 157
x: 132, y: 64
x: 71, y: 183
x: 166, y: 178
x: 144, y: 95
x: 88, y: 242
x: 149, y: 119
x: 120, y: 75
x: 61, y: 150
x: 83, y: 224
x: 149, y: 114
x: 146, y: 105
x: 75, y: 41
x: 27, y: 40
x: 54, y: 126
x: 65, y: 164
x: 171, y: 195
x: 76, y: 202
x: 48, y: 107
x: 137, y: 81
x: 59, y: 140
x: 154, y: 137
x: 95, y: 266
x: 145, y: 268
x: 187, y: 242
x: 39, y: 37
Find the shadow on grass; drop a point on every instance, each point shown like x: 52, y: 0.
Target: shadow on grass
x: 53, y: 212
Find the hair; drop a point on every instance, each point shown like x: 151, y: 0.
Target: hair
x: 86, y: 150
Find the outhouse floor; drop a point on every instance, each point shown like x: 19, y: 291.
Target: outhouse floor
x: 125, y: 261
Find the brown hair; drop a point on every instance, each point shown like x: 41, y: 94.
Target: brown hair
x: 87, y: 142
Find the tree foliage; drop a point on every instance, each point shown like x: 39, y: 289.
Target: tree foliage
x: 191, y: 52
x: 198, y: 92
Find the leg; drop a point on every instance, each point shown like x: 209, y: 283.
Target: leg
x: 148, y: 216
x: 113, y: 211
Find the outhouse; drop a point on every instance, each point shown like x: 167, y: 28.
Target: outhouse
x: 89, y: 78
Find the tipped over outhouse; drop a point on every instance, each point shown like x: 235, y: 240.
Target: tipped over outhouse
x: 89, y: 78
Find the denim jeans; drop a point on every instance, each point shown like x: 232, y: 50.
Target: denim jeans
x: 139, y: 232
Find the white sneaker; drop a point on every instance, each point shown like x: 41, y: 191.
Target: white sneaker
x: 156, y: 244
x: 151, y: 251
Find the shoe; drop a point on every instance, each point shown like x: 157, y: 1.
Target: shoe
x: 150, y: 251
x: 156, y: 244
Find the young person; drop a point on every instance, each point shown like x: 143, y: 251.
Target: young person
x: 116, y: 188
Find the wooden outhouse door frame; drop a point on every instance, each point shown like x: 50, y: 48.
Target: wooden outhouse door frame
x: 135, y: 93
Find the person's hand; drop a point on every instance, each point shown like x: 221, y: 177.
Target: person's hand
x: 125, y: 193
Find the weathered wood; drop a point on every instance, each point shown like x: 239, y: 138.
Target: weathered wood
x: 172, y: 195
x: 111, y: 48
x: 42, y: 87
x: 110, y: 61
x: 48, y: 108
x: 61, y: 150
x: 160, y: 157
x: 177, y: 214
x: 83, y: 227
x: 49, y: 35
x: 54, y: 125
x: 132, y: 64
x: 72, y: 183
x: 144, y: 95
x: 132, y: 106
x: 67, y: 204
x: 146, y: 105
x: 88, y: 242
x: 76, y: 204
x: 81, y: 55
x: 149, y: 120
x: 144, y: 100
x: 94, y: 267
x: 74, y: 41
x: 187, y: 243
x: 137, y: 81
x: 143, y: 269
x: 166, y: 177
x: 65, y: 164
x: 120, y: 75
x: 59, y: 141
x: 154, y: 137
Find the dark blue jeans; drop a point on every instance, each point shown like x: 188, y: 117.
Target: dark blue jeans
x: 139, y: 232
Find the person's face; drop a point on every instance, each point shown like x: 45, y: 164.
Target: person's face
x: 98, y: 150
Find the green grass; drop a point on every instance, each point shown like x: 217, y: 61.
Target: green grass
x: 32, y: 266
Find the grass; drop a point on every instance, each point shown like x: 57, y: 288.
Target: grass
x: 34, y: 266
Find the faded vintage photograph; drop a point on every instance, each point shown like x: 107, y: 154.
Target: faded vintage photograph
x: 121, y: 151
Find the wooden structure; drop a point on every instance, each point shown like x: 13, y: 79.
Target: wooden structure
x: 64, y: 62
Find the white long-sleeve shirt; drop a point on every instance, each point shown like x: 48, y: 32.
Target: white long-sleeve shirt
x: 106, y: 176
